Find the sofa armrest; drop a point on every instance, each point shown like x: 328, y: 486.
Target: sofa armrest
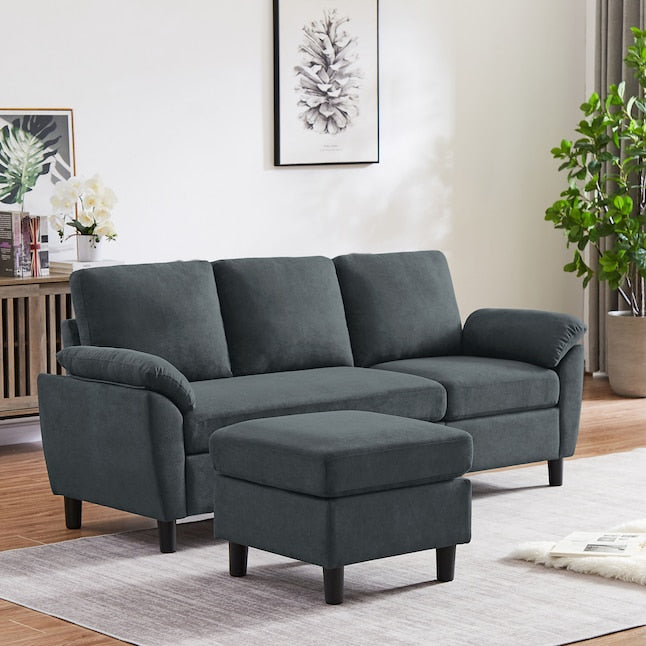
x: 131, y: 368
x: 534, y: 336
x: 113, y: 444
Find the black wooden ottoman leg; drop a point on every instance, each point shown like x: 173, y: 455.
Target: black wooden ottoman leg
x: 73, y: 509
x: 333, y: 585
x: 445, y: 563
x: 238, y: 559
x: 555, y: 472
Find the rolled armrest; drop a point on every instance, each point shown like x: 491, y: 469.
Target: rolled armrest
x: 113, y: 444
x: 129, y: 367
x: 533, y: 336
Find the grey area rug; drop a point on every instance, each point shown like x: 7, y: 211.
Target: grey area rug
x: 122, y: 586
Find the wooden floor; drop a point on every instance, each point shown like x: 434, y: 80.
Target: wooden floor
x: 31, y: 515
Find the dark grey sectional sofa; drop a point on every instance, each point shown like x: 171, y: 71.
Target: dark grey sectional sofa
x: 160, y: 356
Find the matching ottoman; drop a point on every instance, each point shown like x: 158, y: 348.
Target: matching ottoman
x: 340, y: 487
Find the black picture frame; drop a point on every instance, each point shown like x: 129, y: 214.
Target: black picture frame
x: 326, y: 82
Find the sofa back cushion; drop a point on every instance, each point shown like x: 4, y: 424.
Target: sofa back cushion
x: 399, y: 306
x: 282, y: 314
x: 167, y: 309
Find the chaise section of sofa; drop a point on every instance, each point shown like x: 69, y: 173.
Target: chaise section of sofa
x: 161, y: 356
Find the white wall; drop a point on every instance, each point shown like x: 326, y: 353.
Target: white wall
x: 173, y: 106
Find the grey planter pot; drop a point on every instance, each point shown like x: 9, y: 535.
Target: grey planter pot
x: 627, y: 354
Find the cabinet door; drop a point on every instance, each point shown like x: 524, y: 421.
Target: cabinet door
x: 30, y: 321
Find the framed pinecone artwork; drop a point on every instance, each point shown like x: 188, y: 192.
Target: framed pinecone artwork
x: 326, y: 82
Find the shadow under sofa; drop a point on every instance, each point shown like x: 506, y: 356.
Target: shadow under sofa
x: 160, y: 356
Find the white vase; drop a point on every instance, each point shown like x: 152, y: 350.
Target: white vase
x: 88, y: 248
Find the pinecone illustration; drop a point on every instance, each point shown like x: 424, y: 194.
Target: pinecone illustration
x: 328, y: 76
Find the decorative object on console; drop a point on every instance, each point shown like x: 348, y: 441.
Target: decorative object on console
x: 88, y: 248
x: 66, y: 267
x: 326, y: 82
x: 86, y: 206
x: 604, y: 208
x: 11, y: 243
x: 23, y: 245
x: 38, y: 239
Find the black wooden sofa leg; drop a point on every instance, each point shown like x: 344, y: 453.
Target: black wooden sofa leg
x: 555, y: 470
x: 445, y: 563
x: 73, y: 509
x: 333, y: 585
x: 238, y: 559
x: 167, y: 536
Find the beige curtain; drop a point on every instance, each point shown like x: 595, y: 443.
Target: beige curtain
x: 613, y: 36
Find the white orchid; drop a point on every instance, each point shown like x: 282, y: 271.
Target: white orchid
x: 85, y: 219
x: 106, y: 229
x: 84, y: 205
x: 101, y: 215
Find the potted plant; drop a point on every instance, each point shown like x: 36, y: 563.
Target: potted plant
x: 604, y: 208
x: 86, y: 206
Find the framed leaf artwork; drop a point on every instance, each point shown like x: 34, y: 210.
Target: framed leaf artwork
x: 36, y: 151
x: 326, y: 82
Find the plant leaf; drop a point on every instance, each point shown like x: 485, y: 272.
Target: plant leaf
x: 24, y: 153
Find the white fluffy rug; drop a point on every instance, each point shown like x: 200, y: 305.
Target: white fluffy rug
x: 624, y: 568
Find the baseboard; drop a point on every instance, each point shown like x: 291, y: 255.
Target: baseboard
x: 20, y: 431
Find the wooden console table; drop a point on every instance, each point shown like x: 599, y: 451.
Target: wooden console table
x: 30, y: 322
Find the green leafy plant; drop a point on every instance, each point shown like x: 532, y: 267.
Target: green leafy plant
x: 24, y: 153
x: 605, y: 199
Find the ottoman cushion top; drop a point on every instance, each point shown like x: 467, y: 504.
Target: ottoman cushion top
x: 340, y: 453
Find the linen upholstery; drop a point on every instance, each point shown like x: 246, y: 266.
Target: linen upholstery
x: 113, y: 445
x: 199, y: 484
x: 399, y: 305
x: 167, y: 309
x: 541, y: 338
x: 513, y: 438
x: 129, y: 367
x: 478, y: 386
x: 130, y: 433
x: 222, y: 402
x: 70, y: 333
x: 339, y: 453
x: 570, y: 375
x: 282, y: 314
x: 340, y: 531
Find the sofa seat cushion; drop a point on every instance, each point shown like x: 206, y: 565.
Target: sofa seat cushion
x: 340, y: 453
x: 478, y: 386
x: 221, y: 402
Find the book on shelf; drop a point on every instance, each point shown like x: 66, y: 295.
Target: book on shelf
x: 23, y: 245
x: 10, y: 243
x: 66, y: 267
x: 600, y: 544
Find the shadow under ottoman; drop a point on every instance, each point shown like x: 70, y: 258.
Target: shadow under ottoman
x: 340, y: 487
